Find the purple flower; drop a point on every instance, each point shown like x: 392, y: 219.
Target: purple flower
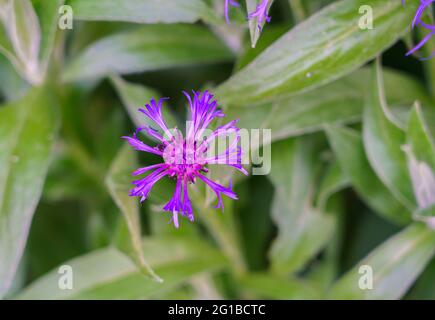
x: 233, y: 3
x: 417, y: 21
x: 260, y: 13
x: 186, y: 158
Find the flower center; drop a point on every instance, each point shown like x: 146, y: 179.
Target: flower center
x: 184, y: 158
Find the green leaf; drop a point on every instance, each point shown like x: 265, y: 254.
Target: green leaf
x: 148, y: 48
x: 396, y: 264
x: 383, y: 140
x: 319, y: 50
x: 12, y: 86
x: 419, y: 136
x: 339, y: 102
x: 269, y: 35
x: 349, y: 151
x: 47, y: 12
x: 298, y: 10
x: 22, y: 26
x: 274, y: 287
x: 302, y: 229
x: 118, y: 182
x: 135, y: 96
x: 140, y: 11
x: 423, y: 288
x: 420, y: 153
x: 333, y: 181
x: 109, y: 274
x: 27, y: 134
x: 423, y: 183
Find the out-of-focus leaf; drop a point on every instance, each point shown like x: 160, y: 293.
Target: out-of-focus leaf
x: 148, y: 48
x: 58, y: 234
x: 140, y: 11
x: 47, y: 12
x: 383, y: 140
x: 423, y: 288
x: 22, y: 26
x: 321, y: 49
x: 423, y: 183
x: 108, y: 274
x: 27, y: 133
x: 339, y: 102
x: 333, y: 181
x: 135, y: 96
x: 299, y: 12
x: 274, y: 287
x: 302, y: 229
x: 118, y: 183
x: 395, y: 264
x: 349, y: 151
x: 420, y: 152
x: 419, y: 137
x: 269, y: 35
x: 12, y: 86
x: 255, y: 225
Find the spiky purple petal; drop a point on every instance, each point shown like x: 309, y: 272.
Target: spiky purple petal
x: 185, y: 159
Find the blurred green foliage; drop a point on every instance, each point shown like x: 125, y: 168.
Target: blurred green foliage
x: 352, y: 146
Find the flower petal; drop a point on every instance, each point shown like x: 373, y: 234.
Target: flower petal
x: 144, y: 185
x: 140, y: 146
x: 153, y: 111
x: 203, y: 109
x: 219, y: 190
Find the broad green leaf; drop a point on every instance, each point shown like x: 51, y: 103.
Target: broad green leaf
x: 27, y: 134
x: 383, y: 140
x: 339, y: 102
x: 135, y: 96
x: 148, y: 48
x: 319, y: 50
x: 274, y: 287
x: 396, y: 264
x: 109, y: 274
x: 118, y: 182
x: 349, y: 151
x: 140, y: 11
x: 302, y: 229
